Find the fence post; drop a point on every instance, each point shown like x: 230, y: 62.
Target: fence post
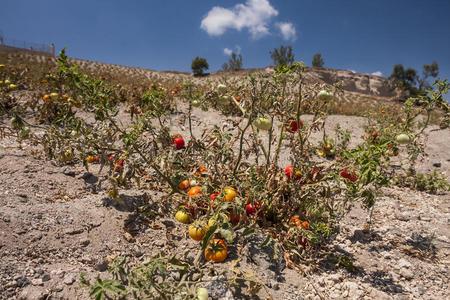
x: 52, y: 49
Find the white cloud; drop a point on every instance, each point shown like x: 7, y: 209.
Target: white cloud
x: 227, y: 51
x: 287, y: 30
x: 254, y: 16
x: 377, y: 73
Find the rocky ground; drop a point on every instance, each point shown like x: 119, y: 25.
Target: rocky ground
x: 55, y: 225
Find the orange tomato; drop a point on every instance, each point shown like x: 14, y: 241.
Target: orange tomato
x: 195, y: 191
x: 229, y: 193
x: 184, y: 185
x: 216, y: 250
x: 46, y: 98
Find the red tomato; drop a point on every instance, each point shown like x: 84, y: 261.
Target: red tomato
x: 351, y: 176
x: 178, y: 142
x: 118, y: 165
x: 293, y: 125
x: 250, y: 208
x: 290, y: 173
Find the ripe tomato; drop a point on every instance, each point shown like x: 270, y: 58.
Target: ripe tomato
x: 234, y: 218
x: 118, y: 165
x: 290, y: 173
x: 182, y: 217
x: 237, y: 98
x: 195, y: 191
x: 252, y: 208
x: 229, y: 194
x: 351, y: 176
x: 184, y: 185
x: 92, y: 158
x: 213, y: 197
x: 46, y: 98
x: 178, y: 142
x: 305, y: 225
x: 216, y: 250
x: 295, y: 221
x: 293, y: 126
x: 197, y: 231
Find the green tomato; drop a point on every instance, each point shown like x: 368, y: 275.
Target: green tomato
x: 263, y: 123
x: 182, y: 217
x: 12, y: 86
x: 324, y: 95
x: 24, y: 132
x: 202, y: 294
x: 6, y: 82
x: 221, y: 87
x: 403, y: 139
x: 54, y: 96
x: 195, y: 103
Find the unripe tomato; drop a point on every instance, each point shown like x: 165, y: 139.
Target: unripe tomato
x: 12, y: 86
x: 221, y: 87
x: 202, y: 294
x: 182, y: 217
x: 184, y: 185
x: 196, y: 103
x: 403, y: 139
x: 195, y: 191
x: 216, y: 250
x: 324, y: 95
x: 2, y: 66
x: 263, y: 123
x: 229, y: 194
x: 178, y: 142
x: 197, y: 231
x: 54, y: 96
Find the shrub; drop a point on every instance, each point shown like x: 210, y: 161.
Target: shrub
x: 282, y: 56
x: 234, y: 63
x: 199, y: 66
x: 317, y: 61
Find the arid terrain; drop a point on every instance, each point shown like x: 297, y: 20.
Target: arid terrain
x: 56, y: 223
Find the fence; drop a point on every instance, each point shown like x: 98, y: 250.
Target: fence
x: 50, y: 49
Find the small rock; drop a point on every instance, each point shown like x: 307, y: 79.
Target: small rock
x: 73, y: 230
x: 45, y: 277
x: 129, y: 238
x: 403, y: 263
x: 406, y: 273
x: 69, y: 279
x: 37, y: 281
x: 437, y: 164
x: 68, y: 171
x: 84, y: 242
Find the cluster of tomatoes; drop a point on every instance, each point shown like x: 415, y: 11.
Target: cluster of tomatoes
x: 118, y: 163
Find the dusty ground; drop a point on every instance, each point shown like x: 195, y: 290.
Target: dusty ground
x: 53, y: 226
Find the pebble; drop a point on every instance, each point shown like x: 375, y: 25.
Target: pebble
x: 69, y: 279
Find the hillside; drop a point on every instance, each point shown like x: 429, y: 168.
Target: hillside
x: 93, y: 179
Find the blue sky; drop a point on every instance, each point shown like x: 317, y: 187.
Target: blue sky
x: 361, y: 35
